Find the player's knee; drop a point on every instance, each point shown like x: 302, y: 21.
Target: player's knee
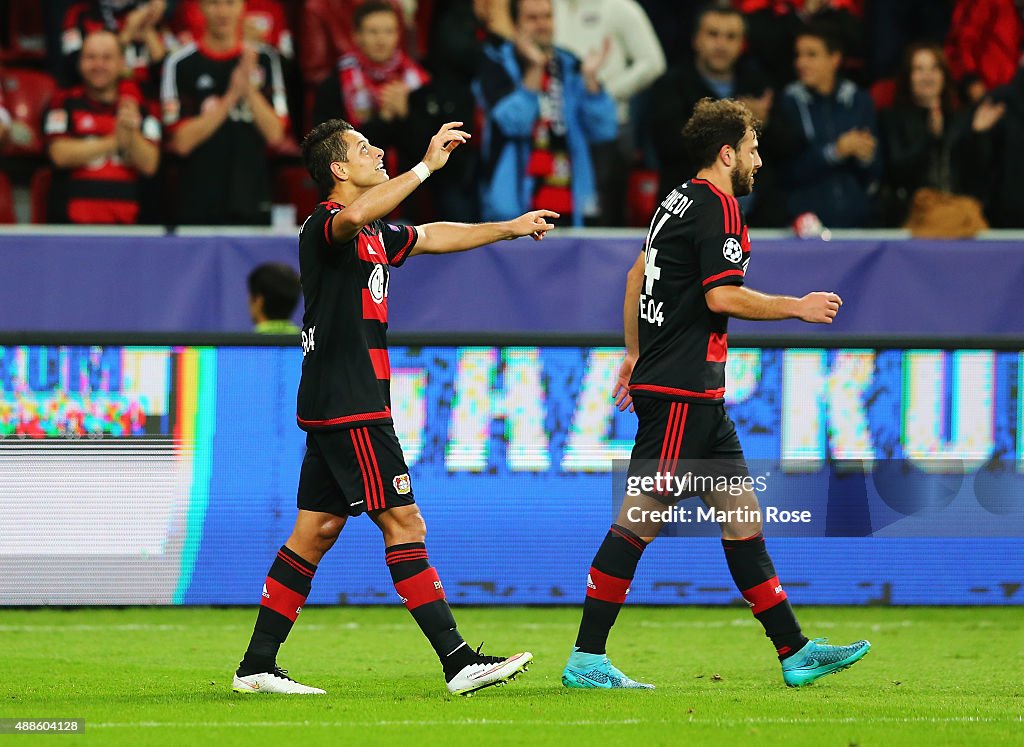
x: 405, y: 525
x: 329, y: 529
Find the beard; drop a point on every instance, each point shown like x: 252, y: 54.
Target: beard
x: 742, y: 181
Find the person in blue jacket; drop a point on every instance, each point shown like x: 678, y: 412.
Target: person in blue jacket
x: 829, y: 137
x: 543, y: 109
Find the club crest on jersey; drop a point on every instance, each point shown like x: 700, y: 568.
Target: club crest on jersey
x: 732, y: 250
x: 403, y: 485
x: 377, y: 284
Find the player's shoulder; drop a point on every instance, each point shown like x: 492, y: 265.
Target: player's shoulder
x: 713, y: 207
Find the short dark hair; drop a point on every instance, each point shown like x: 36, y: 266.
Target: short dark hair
x: 323, y: 146
x: 279, y: 286
x: 513, y: 9
x: 826, y: 33
x: 368, y: 8
x: 718, y: 8
x: 715, y: 123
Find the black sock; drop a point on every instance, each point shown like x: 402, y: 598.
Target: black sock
x: 755, y: 577
x: 418, y: 585
x: 607, y: 586
x: 284, y: 592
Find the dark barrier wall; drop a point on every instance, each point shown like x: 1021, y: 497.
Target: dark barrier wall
x: 153, y: 283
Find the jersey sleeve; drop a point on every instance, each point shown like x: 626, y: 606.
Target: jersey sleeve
x: 398, y: 241
x: 719, y: 244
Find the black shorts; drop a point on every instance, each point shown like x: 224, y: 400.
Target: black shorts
x: 351, y: 471
x: 677, y: 438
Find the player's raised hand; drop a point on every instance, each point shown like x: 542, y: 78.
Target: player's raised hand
x: 447, y: 139
x: 621, y: 395
x: 820, y: 307
x: 534, y: 223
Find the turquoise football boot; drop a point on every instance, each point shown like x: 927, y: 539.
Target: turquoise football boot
x: 817, y: 658
x: 594, y: 671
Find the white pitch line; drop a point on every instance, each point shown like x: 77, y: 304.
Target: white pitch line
x: 752, y: 721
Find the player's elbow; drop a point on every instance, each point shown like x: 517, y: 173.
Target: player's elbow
x: 719, y: 300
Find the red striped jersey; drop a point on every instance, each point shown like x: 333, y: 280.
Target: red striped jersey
x: 107, y: 189
x: 346, y: 374
x: 697, y: 241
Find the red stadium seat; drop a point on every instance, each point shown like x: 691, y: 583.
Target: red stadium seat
x: 641, y: 196
x: 883, y: 93
x: 25, y: 37
x: 6, y: 200
x: 39, y: 194
x: 27, y: 93
x: 294, y: 186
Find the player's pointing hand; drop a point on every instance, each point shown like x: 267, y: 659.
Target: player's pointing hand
x: 447, y: 139
x: 534, y: 223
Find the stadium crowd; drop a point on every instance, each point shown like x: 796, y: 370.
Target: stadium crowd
x: 190, y: 111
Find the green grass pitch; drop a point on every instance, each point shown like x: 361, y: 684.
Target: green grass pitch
x: 935, y: 676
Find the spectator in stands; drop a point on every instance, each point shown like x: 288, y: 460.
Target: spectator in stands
x: 139, y: 26
x: 928, y: 141
x: 327, y: 34
x: 716, y: 70
x: 103, y: 136
x: 984, y: 45
x: 893, y: 25
x: 621, y: 31
x: 274, y: 291
x: 773, y: 26
x: 828, y: 136
x: 374, y: 84
x: 543, y: 109
x: 458, y: 36
x: 224, y: 102
x: 263, y: 22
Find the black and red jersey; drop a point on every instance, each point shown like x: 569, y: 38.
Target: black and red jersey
x: 106, y: 190
x: 226, y: 179
x: 697, y: 241
x: 346, y: 373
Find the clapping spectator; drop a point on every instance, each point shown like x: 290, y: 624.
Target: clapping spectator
x: 828, y: 136
x: 263, y: 22
x: 139, y: 26
x: 327, y: 34
x: 223, y: 103
x: 103, y: 137
x: 929, y: 142
x: 619, y: 32
x: 543, y: 109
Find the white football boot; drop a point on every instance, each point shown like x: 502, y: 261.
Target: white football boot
x: 275, y: 681
x: 488, y: 671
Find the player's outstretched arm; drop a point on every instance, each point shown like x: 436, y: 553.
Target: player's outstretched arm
x: 743, y: 303
x: 380, y: 200
x: 445, y: 238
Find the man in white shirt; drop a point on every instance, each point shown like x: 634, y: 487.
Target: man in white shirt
x: 634, y: 59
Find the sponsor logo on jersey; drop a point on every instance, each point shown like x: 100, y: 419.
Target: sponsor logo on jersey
x: 403, y: 485
x: 205, y: 82
x: 732, y: 250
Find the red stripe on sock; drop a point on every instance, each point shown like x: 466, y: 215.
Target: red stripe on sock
x: 765, y: 596
x: 297, y: 566
x: 607, y: 588
x: 423, y: 588
x: 280, y: 598
x: 403, y: 557
x: 637, y: 543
